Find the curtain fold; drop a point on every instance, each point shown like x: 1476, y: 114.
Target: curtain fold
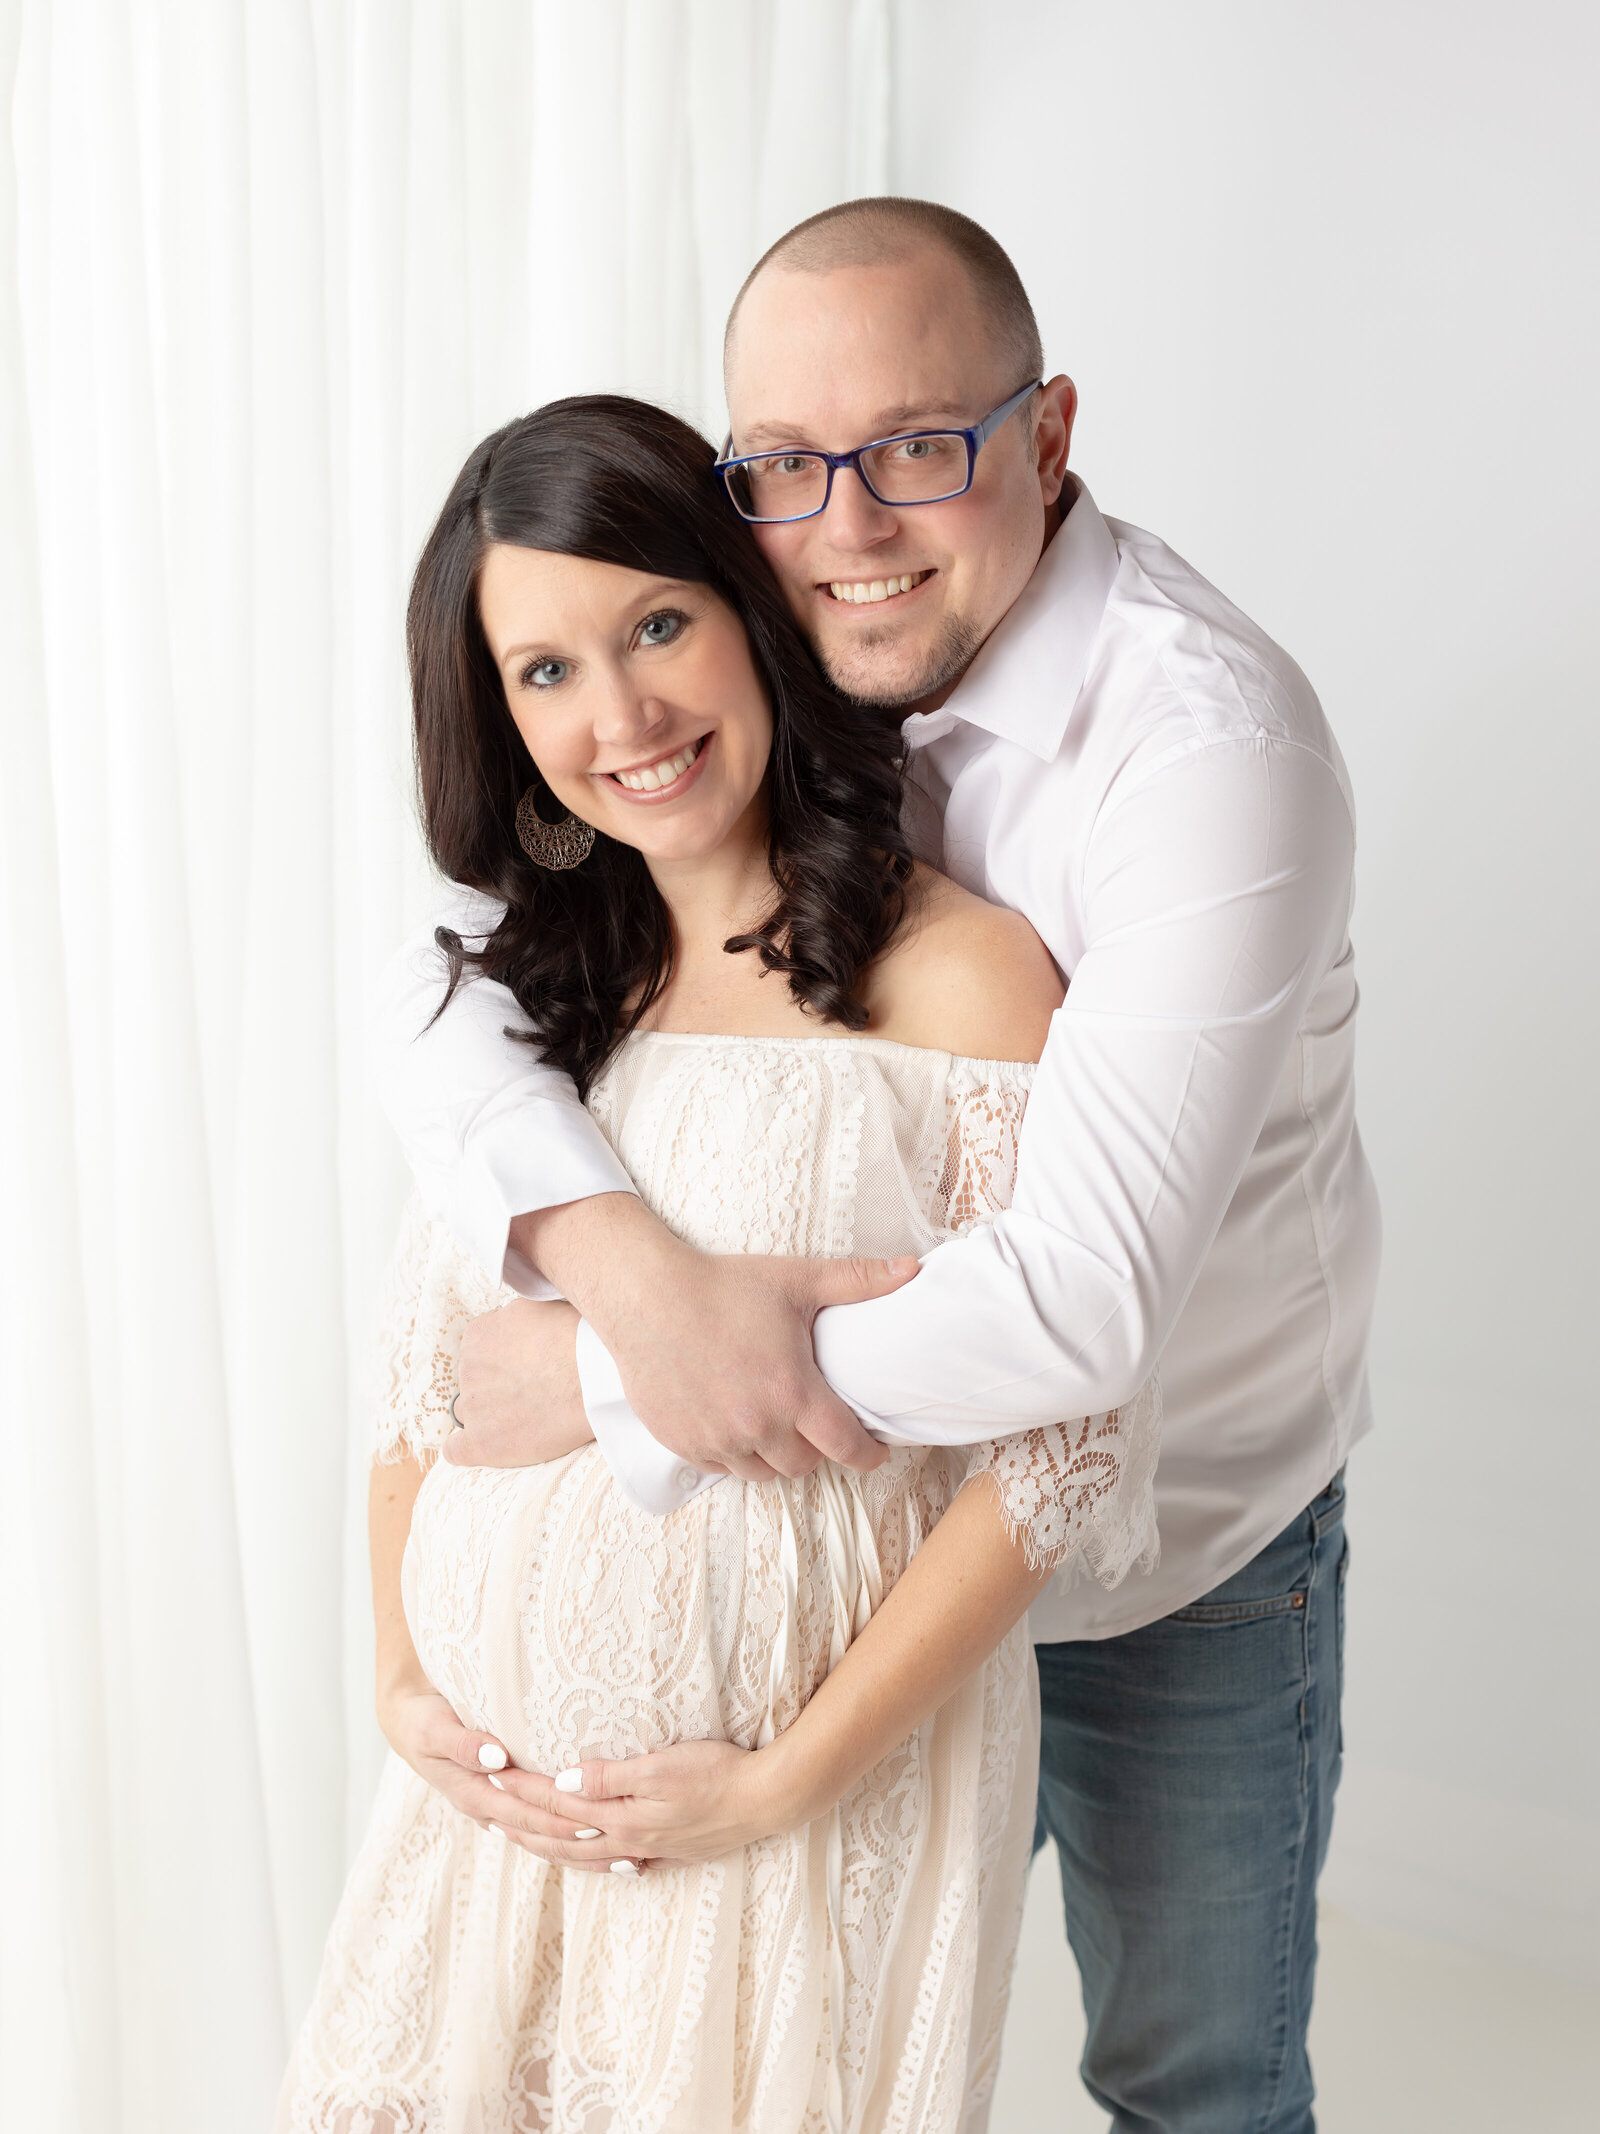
x: 267, y: 269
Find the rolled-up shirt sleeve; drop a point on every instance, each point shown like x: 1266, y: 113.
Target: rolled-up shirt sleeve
x: 489, y: 1131
x: 1216, y: 895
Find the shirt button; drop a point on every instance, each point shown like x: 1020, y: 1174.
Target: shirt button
x: 687, y: 1478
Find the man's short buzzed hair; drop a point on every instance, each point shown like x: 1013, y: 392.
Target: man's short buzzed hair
x: 872, y: 232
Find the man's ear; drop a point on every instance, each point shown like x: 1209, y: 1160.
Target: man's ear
x: 1052, y: 434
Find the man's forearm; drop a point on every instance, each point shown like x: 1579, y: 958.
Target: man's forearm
x: 599, y: 1253
x: 713, y: 1350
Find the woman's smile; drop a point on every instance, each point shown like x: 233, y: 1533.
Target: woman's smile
x: 663, y: 777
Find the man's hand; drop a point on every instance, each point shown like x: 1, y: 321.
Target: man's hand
x: 518, y: 1402
x: 718, y: 1365
x: 714, y: 1350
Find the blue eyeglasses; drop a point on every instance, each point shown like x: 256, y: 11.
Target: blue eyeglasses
x: 926, y: 467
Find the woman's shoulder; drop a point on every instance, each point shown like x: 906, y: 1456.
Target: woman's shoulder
x: 963, y: 976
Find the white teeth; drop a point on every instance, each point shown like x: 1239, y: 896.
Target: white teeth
x: 655, y: 775
x: 874, y: 589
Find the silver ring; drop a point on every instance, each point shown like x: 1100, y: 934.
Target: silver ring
x: 455, y: 1421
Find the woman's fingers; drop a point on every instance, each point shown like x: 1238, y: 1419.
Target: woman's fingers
x: 478, y: 1752
x: 601, y: 1856
x: 492, y: 1803
x: 599, y: 1780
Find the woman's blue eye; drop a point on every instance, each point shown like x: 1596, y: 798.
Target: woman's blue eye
x: 544, y: 674
x: 662, y: 628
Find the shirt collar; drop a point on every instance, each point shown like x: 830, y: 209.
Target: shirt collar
x: 1029, y: 670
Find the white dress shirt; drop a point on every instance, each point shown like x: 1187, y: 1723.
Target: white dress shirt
x: 1133, y: 765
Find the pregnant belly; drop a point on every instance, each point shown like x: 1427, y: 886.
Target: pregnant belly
x: 558, y: 1617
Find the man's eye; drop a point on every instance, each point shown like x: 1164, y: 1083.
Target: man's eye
x: 661, y: 628
x: 545, y: 673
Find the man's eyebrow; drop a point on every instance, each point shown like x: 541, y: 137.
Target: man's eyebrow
x: 885, y: 421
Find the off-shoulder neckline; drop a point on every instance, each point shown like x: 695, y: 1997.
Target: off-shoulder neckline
x: 849, y: 1043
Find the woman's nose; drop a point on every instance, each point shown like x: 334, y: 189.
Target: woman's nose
x: 627, y: 715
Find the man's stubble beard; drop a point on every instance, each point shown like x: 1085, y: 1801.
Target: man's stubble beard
x: 948, y: 658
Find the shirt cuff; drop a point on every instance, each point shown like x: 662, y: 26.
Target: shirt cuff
x: 508, y: 1170
x: 647, y: 1474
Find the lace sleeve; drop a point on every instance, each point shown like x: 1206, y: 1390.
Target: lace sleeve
x: 432, y: 1290
x: 1080, y: 1496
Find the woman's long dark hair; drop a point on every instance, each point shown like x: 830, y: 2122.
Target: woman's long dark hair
x: 621, y: 482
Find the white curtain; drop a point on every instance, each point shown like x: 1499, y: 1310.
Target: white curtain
x: 267, y: 269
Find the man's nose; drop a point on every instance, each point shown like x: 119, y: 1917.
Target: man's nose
x: 854, y: 518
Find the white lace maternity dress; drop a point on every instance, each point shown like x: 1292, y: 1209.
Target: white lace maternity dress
x: 845, y: 1978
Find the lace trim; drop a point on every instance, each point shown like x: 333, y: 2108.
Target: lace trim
x: 430, y: 1295
x: 1079, y: 1497
x: 1082, y: 1499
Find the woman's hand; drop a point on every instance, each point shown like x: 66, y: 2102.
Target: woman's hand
x: 693, y: 1801
x: 423, y: 1730
x: 519, y: 1402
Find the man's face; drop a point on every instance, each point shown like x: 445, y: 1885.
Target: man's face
x: 837, y: 360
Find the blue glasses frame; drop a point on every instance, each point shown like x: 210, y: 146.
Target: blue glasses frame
x: 974, y: 438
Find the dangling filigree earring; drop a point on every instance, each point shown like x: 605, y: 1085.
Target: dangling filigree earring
x: 556, y: 845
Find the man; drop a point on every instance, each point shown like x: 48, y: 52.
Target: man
x: 1097, y: 739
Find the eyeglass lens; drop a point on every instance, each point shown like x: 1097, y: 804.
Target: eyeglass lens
x: 905, y: 470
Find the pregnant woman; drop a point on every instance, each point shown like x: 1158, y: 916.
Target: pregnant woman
x: 798, y: 1041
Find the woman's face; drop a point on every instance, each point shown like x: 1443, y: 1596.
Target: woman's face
x: 637, y: 697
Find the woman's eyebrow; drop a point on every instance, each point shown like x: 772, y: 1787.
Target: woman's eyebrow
x: 515, y: 652
x: 642, y: 604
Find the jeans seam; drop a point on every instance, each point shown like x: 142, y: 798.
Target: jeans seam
x: 1292, y: 1894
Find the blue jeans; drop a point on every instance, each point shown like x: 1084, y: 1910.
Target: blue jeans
x: 1187, y: 1773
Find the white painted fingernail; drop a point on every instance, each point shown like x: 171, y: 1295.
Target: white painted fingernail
x: 624, y: 1867
x: 569, y: 1781
x: 492, y: 1756
x: 496, y: 1783
x: 586, y: 1833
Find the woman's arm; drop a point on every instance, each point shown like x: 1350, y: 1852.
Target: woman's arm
x: 966, y: 1586
x: 391, y: 1496
x: 962, y: 1591
x: 511, y: 1415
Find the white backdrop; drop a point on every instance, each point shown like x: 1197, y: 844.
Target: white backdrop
x: 1325, y: 277
x: 267, y: 269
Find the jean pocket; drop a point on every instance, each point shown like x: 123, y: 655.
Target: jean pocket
x: 1221, y: 1613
